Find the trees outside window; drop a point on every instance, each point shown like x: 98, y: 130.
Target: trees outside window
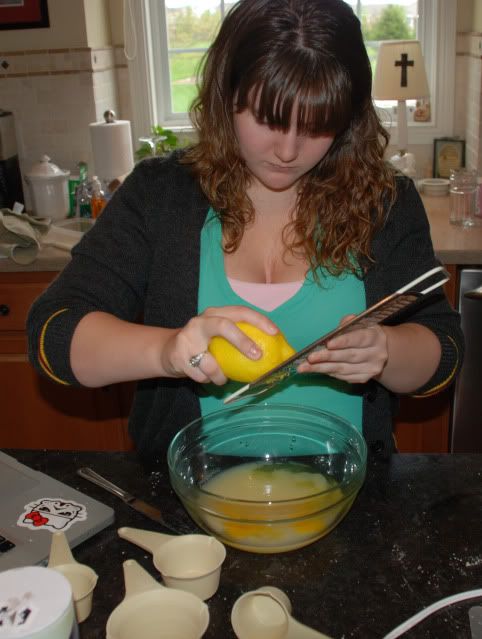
x: 393, y: 23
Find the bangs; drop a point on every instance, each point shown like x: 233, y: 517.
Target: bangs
x: 322, y: 96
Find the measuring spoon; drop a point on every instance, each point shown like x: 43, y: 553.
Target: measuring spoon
x: 187, y: 562
x: 150, y: 611
x: 266, y: 614
x: 82, y: 578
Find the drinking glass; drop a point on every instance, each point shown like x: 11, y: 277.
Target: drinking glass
x: 464, y: 201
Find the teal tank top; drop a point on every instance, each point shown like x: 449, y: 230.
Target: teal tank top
x: 314, y: 310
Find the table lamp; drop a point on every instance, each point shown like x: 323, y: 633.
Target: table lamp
x: 400, y: 75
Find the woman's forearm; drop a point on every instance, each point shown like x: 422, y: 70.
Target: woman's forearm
x: 413, y: 356
x: 106, y: 350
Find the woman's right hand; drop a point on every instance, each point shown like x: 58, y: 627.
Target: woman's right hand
x: 195, y: 336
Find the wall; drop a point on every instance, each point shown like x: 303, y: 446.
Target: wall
x: 116, y: 22
x: 478, y: 16
x: 465, y: 14
x: 67, y: 30
x: 97, y: 23
x: 469, y: 81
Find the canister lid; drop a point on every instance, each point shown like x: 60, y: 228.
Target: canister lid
x: 46, y: 169
x: 32, y: 598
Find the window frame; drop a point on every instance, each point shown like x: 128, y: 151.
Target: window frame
x: 149, y: 71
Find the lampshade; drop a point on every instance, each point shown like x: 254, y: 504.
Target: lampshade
x: 400, y: 75
x: 400, y: 72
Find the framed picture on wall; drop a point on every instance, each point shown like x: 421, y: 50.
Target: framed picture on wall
x: 448, y: 153
x: 24, y: 14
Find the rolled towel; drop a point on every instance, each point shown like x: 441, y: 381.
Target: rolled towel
x: 20, y: 235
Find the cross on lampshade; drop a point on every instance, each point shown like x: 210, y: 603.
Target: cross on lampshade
x: 400, y: 75
x: 404, y: 63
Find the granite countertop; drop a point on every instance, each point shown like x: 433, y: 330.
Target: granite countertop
x: 453, y: 245
x: 412, y: 537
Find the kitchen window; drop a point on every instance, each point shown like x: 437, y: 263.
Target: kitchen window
x: 172, y: 36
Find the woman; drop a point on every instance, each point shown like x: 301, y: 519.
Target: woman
x: 284, y: 215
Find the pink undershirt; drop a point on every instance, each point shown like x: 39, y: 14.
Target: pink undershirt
x: 265, y: 296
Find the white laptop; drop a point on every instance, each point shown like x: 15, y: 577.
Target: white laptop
x: 33, y: 506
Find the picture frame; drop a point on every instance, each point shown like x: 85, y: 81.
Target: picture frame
x: 448, y: 153
x: 24, y: 14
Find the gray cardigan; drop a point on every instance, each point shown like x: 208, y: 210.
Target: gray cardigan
x: 142, y: 259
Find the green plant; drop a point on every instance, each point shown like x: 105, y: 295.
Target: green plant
x: 160, y: 142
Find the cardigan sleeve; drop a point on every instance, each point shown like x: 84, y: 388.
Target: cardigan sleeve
x: 107, y: 273
x: 403, y: 250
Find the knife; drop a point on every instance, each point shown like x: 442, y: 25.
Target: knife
x: 376, y: 314
x: 137, y: 504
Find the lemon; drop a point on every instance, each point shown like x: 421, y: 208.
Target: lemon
x: 275, y: 349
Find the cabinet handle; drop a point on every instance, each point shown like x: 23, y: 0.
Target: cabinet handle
x: 4, y: 309
x: 474, y: 294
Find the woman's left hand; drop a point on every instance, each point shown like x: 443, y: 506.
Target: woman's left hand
x: 354, y: 357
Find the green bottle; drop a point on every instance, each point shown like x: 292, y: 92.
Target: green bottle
x: 83, y: 195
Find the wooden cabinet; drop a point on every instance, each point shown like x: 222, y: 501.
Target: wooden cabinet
x: 37, y: 412
x: 423, y: 424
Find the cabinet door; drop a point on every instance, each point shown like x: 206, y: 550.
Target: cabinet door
x: 38, y: 413
x: 422, y: 424
x: 35, y: 411
x: 15, y: 301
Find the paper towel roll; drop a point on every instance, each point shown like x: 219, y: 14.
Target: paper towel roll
x: 112, y: 148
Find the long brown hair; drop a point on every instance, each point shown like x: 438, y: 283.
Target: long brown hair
x: 311, y: 52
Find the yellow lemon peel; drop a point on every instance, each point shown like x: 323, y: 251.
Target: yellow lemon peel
x: 236, y: 366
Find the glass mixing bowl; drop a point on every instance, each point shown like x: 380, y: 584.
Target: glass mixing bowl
x: 267, y: 478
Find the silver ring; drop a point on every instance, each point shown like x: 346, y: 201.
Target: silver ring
x: 195, y: 360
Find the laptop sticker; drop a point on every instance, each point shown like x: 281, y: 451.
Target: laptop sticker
x: 52, y: 513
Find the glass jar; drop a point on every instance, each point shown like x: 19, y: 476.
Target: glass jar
x: 464, y: 201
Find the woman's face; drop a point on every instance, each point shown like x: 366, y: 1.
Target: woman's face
x: 275, y: 158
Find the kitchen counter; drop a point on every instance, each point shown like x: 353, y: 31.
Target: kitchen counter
x: 413, y: 537
x: 49, y: 259
x: 453, y: 245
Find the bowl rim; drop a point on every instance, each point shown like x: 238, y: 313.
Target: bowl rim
x: 435, y: 182
x: 358, y: 435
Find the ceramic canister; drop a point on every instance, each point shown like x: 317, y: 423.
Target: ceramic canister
x: 36, y: 603
x: 49, y: 186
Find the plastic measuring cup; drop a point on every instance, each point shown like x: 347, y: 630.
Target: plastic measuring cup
x: 82, y: 578
x: 151, y: 611
x: 266, y: 614
x: 187, y: 562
